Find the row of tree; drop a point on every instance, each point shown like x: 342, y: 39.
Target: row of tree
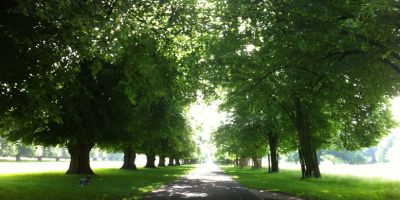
x: 304, y: 75
x: 115, y: 74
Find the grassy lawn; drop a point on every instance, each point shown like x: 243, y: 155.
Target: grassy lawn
x: 107, y: 184
x: 329, y: 187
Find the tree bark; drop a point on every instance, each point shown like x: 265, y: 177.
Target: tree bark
x: 236, y: 160
x: 177, y: 162
x: 273, y: 149
x: 171, y: 161
x: 161, y: 162
x: 129, y: 159
x: 243, y: 162
x: 307, y: 153
x: 40, y: 158
x: 150, y: 161
x: 256, y: 162
x: 80, y: 162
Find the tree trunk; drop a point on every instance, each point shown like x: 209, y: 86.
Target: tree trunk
x: 273, y: 149
x: 150, y: 162
x: 307, y: 153
x: 236, y: 160
x: 57, y: 159
x: 242, y: 162
x: 170, y: 161
x: 129, y: 159
x: 40, y: 158
x: 161, y: 162
x: 80, y: 162
x: 256, y: 162
x: 302, y: 164
x: 177, y: 162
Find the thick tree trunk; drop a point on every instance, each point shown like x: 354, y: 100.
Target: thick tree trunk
x: 243, y: 162
x: 161, y: 162
x: 307, y: 153
x: 40, y: 158
x: 150, y: 162
x: 170, y: 161
x: 273, y: 149
x: 57, y: 159
x: 129, y: 159
x: 236, y: 160
x: 256, y: 162
x: 177, y: 162
x: 80, y: 163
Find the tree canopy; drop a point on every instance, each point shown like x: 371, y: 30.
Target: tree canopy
x: 295, y: 75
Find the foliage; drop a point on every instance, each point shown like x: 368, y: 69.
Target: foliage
x: 81, y: 73
x: 318, y: 64
x: 349, y: 157
x: 7, y: 148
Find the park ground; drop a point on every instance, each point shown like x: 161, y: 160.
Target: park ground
x: 108, y: 183
x: 329, y: 187
x: 46, y: 180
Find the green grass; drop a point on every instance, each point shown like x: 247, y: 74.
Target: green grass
x: 106, y: 184
x: 329, y: 187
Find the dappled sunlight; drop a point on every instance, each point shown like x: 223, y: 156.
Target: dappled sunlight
x: 108, y: 183
x: 146, y: 189
x: 206, y: 181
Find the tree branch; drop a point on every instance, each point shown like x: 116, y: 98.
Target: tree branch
x: 391, y: 65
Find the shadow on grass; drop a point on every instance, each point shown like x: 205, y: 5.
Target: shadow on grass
x: 107, y: 184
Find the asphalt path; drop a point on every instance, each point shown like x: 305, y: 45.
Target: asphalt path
x: 206, y: 182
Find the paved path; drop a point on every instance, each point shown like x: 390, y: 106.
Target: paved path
x: 206, y: 182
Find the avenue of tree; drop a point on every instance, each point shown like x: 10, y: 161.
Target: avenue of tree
x: 304, y: 76
x: 113, y: 74
x: 294, y: 75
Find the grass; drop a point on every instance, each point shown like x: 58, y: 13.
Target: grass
x: 329, y: 187
x: 106, y: 184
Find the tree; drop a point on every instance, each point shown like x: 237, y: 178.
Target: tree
x: 313, y: 60
x: 7, y: 148
x: 24, y: 151
x: 73, y: 72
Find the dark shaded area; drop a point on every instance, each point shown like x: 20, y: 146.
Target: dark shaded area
x: 80, y: 163
x: 129, y: 159
x: 204, y: 183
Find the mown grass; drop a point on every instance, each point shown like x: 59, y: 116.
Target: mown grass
x: 106, y: 184
x: 329, y: 187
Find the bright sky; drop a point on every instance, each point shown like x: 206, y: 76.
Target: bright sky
x: 396, y: 108
x: 204, y: 119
